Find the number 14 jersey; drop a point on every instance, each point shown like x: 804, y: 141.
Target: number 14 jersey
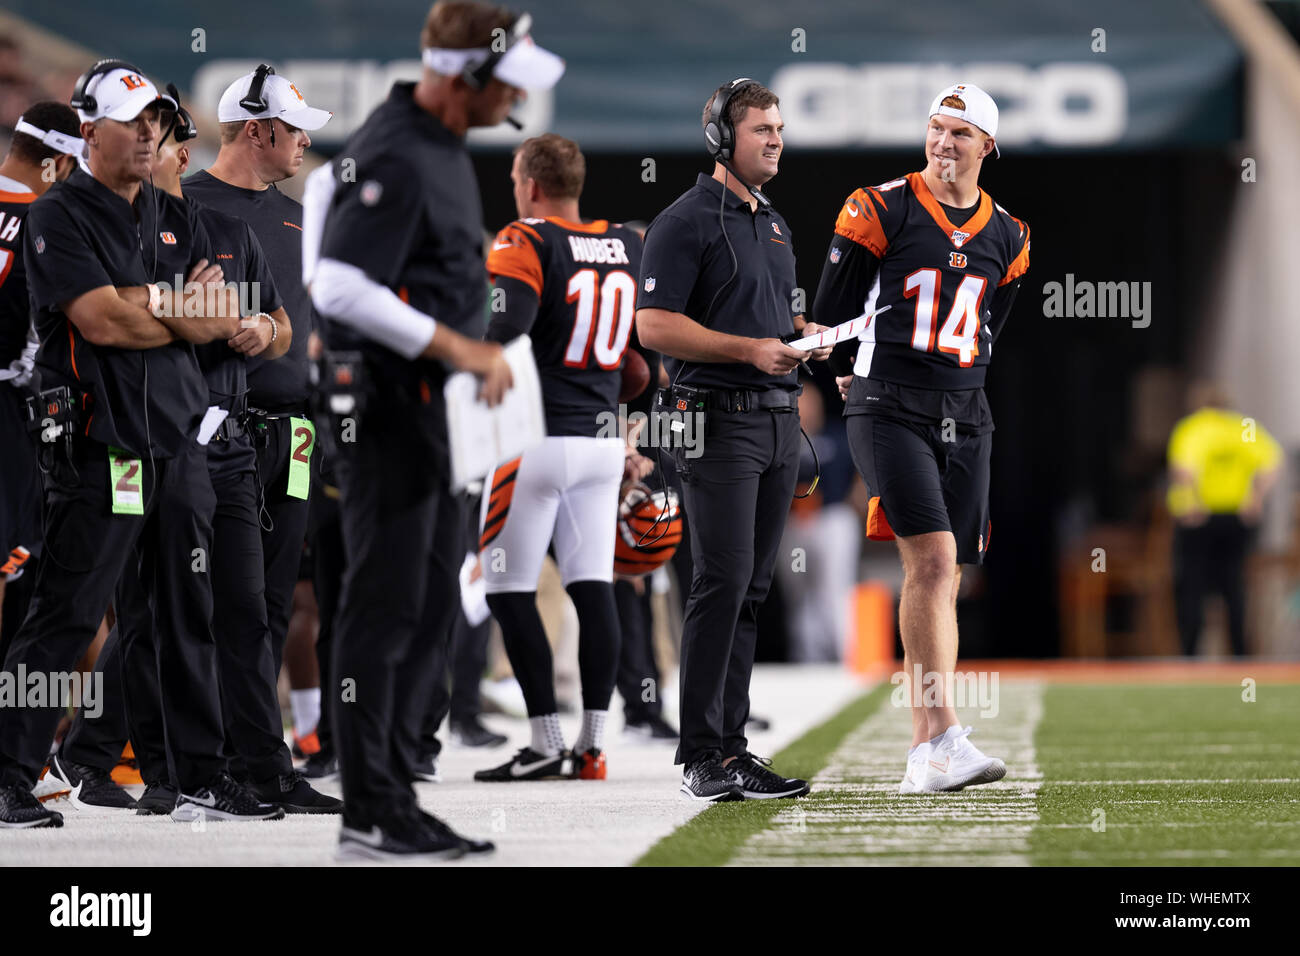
x: 949, y: 287
x: 584, y: 276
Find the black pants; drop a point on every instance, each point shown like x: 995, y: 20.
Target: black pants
x: 737, y: 495
x: 636, y: 661
x: 461, y: 667
x: 133, y: 706
x: 328, y: 561
x: 87, y: 548
x: 250, y: 667
x: 284, y: 527
x: 249, y: 702
x: 1211, y: 559
x: 455, y: 689
x: 405, y: 537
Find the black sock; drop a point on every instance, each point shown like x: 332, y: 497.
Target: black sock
x: 598, y: 640
x: 526, y: 646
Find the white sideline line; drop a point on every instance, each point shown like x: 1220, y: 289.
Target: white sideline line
x: 869, y: 823
x: 1235, y: 781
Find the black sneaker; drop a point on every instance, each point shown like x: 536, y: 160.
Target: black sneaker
x: 528, y: 764
x: 440, y: 829
x: 90, y: 786
x: 759, y: 782
x: 403, y: 840
x: 292, y: 792
x: 653, y: 727
x: 706, y: 779
x: 20, y: 810
x: 158, y: 799
x: 320, y: 766
x: 426, y: 769
x: 223, y: 799
x: 472, y: 733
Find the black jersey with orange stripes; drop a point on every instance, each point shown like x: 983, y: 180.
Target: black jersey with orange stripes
x: 949, y: 287
x: 584, y: 276
x: 15, y: 312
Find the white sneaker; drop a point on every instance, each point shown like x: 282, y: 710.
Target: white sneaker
x: 915, y: 768
x: 954, y: 762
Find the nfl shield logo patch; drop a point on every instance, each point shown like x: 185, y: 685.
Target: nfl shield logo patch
x: 370, y: 192
x: 40, y: 244
x: 835, y: 254
x: 650, y: 283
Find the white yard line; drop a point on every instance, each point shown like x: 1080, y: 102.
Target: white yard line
x: 1235, y: 781
x: 556, y: 823
x: 870, y: 823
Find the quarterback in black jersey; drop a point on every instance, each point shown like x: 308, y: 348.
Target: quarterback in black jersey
x: 571, y: 286
x: 947, y: 261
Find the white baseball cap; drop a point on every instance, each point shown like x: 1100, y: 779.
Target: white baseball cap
x: 283, y: 102
x: 980, y: 110
x: 121, y: 95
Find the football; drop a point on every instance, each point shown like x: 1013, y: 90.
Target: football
x: 636, y: 376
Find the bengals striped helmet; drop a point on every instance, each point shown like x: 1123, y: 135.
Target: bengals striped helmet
x: 648, y: 530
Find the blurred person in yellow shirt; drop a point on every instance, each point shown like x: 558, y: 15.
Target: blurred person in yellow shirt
x: 1221, y: 466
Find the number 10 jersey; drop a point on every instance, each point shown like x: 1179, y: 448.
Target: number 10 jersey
x: 584, y: 276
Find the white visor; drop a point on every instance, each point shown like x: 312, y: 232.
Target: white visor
x: 525, y: 65
x: 72, y: 145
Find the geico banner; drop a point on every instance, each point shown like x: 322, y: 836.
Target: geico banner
x: 1052, y: 105
x: 350, y: 89
x: 884, y: 104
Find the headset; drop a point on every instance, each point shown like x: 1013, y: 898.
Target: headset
x: 182, y: 125
x: 255, y: 99
x: 83, y: 100
x: 720, y: 132
x: 479, y: 76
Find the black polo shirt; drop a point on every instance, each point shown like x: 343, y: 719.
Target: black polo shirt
x: 81, y: 236
x: 240, y: 256
x: 686, y: 262
x: 411, y: 219
x: 280, y: 384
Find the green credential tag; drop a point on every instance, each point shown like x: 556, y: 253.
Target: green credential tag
x: 125, y: 482
x: 301, y: 444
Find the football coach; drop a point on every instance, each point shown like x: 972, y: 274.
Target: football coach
x: 126, y: 480
x: 716, y: 298
x: 400, y: 279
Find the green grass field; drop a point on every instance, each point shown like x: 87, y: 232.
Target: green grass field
x: 1099, y: 774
